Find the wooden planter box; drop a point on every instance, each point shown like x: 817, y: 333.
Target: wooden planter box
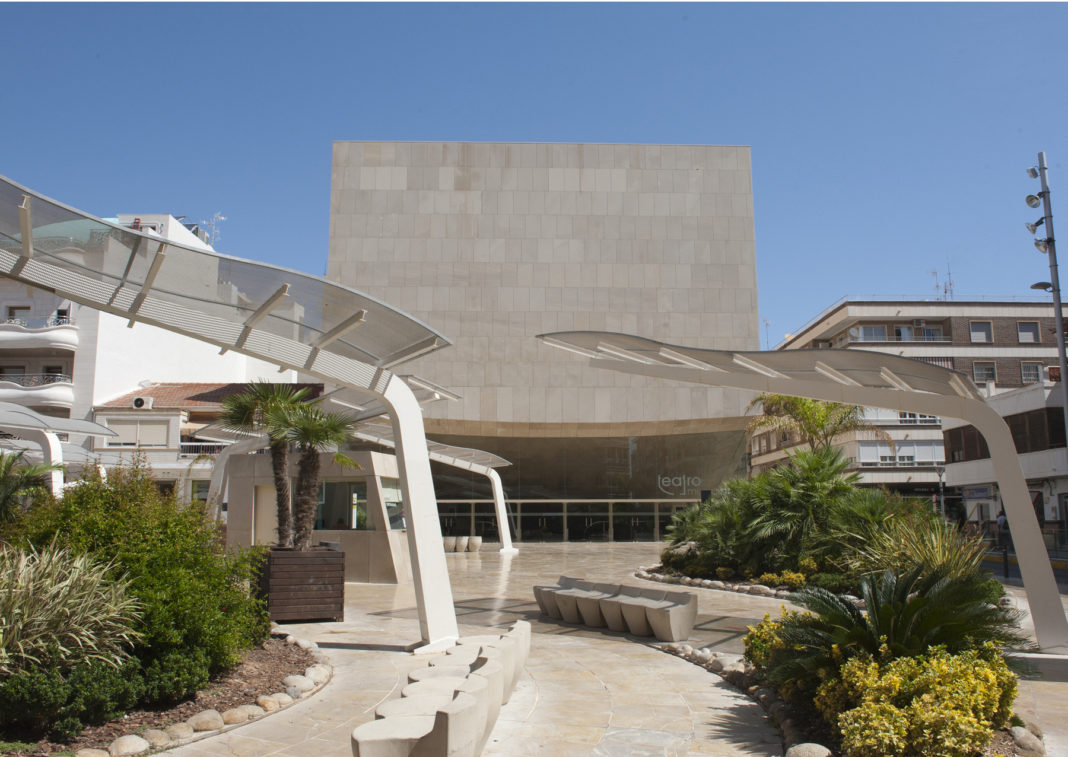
x: 304, y: 586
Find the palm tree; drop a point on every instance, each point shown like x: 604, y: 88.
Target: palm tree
x: 17, y: 479
x: 263, y: 408
x: 313, y: 431
x: 817, y: 423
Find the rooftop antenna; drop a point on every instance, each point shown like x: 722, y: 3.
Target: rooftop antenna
x: 938, y: 286
x: 947, y: 288
x: 213, y: 225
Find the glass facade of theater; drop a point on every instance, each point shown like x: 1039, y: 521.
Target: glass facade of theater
x: 587, y: 489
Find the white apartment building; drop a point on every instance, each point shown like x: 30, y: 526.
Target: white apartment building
x: 69, y: 361
x: 1001, y: 344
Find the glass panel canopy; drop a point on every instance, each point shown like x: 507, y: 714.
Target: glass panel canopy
x: 139, y: 274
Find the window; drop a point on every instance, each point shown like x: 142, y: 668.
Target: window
x: 137, y: 432
x: 342, y: 506
x: 903, y: 333
x: 912, y: 419
x: 1027, y: 331
x: 930, y: 334
x: 983, y: 372
x: 198, y: 492
x: 982, y: 331
x: 873, y: 333
x: 1030, y: 373
x: 18, y: 314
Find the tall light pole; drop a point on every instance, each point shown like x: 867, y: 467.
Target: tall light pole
x: 1048, y: 246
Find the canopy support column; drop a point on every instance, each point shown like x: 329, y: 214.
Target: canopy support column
x: 430, y: 573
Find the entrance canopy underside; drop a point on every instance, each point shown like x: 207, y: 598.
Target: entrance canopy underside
x: 298, y: 321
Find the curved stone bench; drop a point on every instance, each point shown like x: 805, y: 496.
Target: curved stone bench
x: 667, y: 615
x: 449, y: 707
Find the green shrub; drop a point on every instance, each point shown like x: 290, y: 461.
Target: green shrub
x: 935, y: 705
x: 836, y: 583
x: 198, y: 615
x: 761, y: 639
x: 930, y: 545
x: 47, y: 700
x: 724, y: 574
x: 808, y: 565
x: 60, y: 609
x: 769, y: 579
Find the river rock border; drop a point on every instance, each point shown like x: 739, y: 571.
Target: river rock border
x: 212, y: 722
x: 736, y: 671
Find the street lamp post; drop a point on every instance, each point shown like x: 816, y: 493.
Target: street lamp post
x: 1048, y: 246
x: 941, y: 489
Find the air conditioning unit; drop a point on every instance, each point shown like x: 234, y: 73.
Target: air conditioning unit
x: 142, y: 403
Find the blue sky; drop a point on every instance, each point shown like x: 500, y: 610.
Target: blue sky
x: 888, y: 140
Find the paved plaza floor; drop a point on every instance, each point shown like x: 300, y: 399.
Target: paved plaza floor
x: 584, y: 692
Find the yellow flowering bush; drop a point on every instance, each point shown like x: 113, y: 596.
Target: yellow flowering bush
x: 793, y: 580
x: 938, y: 704
x: 769, y: 579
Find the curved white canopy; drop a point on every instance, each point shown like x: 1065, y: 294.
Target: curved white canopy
x: 864, y: 378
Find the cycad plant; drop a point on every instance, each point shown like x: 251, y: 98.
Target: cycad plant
x: 313, y: 431
x: 263, y: 408
x: 60, y: 609
x: 906, y: 615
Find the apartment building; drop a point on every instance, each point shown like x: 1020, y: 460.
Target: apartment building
x: 1002, y: 344
x: 69, y: 361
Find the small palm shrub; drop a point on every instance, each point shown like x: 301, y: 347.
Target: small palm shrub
x: 60, y: 609
x: 934, y: 705
x: 906, y: 616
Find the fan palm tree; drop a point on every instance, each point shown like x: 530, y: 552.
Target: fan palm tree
x: 17, y: 479
x: 313, y: 431
x: 817, y: 423
x: 263, y: 408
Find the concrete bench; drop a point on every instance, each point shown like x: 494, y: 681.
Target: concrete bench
x: 667, y: 615
x: 449, y: 707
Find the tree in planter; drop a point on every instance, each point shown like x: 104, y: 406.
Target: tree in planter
x: 265, y: 408
x: 313, y: 431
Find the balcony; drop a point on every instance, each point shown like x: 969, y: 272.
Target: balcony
x: 893, y: 339
x: 20, y: 335
x: 37, y: 389
x: 197, y: 449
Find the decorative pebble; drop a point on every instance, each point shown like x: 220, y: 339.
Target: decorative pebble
x: 91, y: 753
x: 808, y: 749
x: 179, y: 731
x: 294, y: 693
x: 234, y: 716
x: 1027, y: 740
x: 156, y: 738
x: 208, y: 720
x: 291, y: 639
x: 298, y: 682
x: 307, y: 645
x: 126, y: 746
x: 317, y: 674
x: 254, y: 711
x: 267, y: 703
x: 282, y: 698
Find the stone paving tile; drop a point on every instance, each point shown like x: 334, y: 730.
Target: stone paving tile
x: 585, y: 692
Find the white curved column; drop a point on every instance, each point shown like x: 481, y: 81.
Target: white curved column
x: 502, y: 513
x: 221, y: 464
x: 51, y: 453
x: 430, y: 573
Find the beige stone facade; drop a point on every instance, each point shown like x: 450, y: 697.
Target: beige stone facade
x: 495, y: 243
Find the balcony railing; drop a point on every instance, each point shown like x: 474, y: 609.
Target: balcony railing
x: 901, y: 463
x: 915, y: 338
x: 195, y: 449
x: 40, y: 323
x: 35, y: 379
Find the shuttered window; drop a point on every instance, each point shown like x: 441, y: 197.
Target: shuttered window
x: 137, y: 432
